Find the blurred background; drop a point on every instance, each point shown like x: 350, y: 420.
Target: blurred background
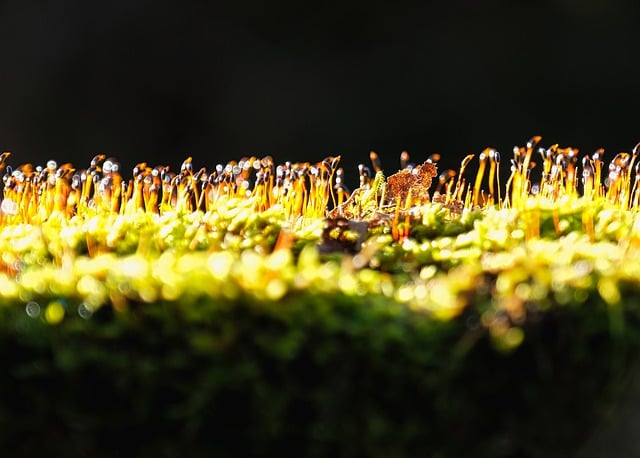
x: 159, y: 81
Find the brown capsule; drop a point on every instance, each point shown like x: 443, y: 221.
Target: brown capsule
x: 139, y: 168
x: 404, y: 160
x: 433, y: 158
x: 97, y: 160
x: 187, y: 166
x: 597, y: 155
x: 494, y: 156
x: 375, y: 161
x: 533, y: 142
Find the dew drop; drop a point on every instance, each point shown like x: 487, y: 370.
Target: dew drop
x: 84, y: 311
x: 33, y: 309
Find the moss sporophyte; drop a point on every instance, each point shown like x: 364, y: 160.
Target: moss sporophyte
x: 558, y: 233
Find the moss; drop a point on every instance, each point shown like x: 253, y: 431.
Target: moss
x: 258, y: 310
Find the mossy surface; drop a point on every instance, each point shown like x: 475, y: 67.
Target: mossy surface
x: 196, y: 315
x: 317, y: 375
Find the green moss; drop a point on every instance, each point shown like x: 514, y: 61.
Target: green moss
x: 259, y: 324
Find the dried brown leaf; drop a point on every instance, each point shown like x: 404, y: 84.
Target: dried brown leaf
x: 418, y: 180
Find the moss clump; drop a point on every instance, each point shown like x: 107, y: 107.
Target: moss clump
x: 260, y: 309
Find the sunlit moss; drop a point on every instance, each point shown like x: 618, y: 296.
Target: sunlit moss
x: 566, y: 231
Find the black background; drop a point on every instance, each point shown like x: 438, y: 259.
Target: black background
x: 300, y: 80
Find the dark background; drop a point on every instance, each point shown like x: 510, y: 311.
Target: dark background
x: 299, y: 80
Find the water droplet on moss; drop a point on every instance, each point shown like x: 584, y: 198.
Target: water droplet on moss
x: 84, y: 311
x: 33, y: 309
